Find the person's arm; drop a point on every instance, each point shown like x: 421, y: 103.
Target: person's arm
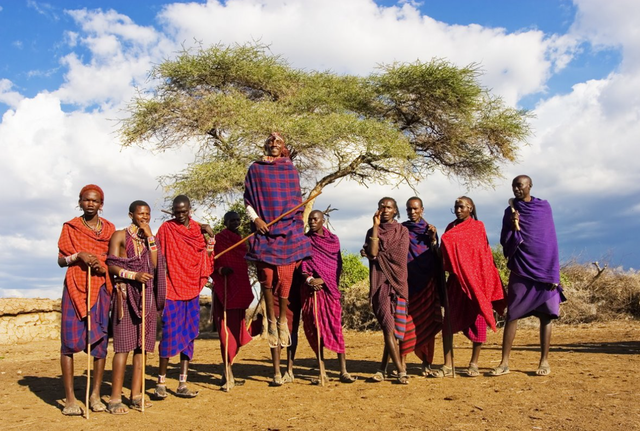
x: 261, y: 225
x: 151, y: 242
x: 211, y: 242
x: 373, y: 242
x: 116, y: 246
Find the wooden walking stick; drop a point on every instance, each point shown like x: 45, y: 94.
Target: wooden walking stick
x: 87, y: 394
x: 226, y: 336
x: 513, y: 210
x: 294, y: 209
x: 320, y: 361
x: 144, y: 349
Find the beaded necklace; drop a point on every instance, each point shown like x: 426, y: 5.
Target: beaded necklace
x: 97, y: 229
x: 138, y: 243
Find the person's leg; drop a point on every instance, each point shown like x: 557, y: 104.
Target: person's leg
x: 117, y: 382
x: 472, y: 371
x: 392, y: 347
x: 345, y: 377
x: 98, y: 374
x: 136, y: 377
x: 508, y: 336
x: 183, y: 390
x: 66, y: 364
x: 275, y: 359
x: 545, y: 343
x: 266, y: 279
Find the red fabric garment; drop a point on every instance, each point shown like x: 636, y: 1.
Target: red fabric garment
x: 239, y: 293
x: 188, y: 264
x: 467, y: 256
x: 237, y: 335
x: 77, y: 237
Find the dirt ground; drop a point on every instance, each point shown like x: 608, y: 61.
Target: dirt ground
x: 593, y: 386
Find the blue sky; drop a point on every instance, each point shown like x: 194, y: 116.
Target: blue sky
x: 67, y: 70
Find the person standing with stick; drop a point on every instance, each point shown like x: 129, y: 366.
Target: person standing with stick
x: 83, y: 244
x: 530, y: 245
x: 387, y: 247
x: 232, y: 295
x: 189, y: 257
x: 136, y: 265
x: 321, y: 309
x: 272, y: 187
x: 473, y: 288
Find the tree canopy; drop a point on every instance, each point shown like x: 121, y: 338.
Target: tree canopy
x: 400, y: 123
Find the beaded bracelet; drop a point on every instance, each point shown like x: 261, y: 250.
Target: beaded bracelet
x: 131, y: 275
x: 152, y: 243
x: 210, y: 244
x: 308, y: 281
x: 71, y: 259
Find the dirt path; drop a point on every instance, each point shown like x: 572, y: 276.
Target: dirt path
x: 593, y: 386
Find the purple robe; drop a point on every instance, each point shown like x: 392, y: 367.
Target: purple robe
x: 325, y: 263
x: 532, y: 256
x: 126, y: 308
x: 272, y: 187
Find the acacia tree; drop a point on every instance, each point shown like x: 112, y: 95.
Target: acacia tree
x: 400, y: 123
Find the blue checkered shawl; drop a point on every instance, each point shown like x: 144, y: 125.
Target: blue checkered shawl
x: 273, y: 188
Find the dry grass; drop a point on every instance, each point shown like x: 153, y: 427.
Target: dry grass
x: 613, y: 294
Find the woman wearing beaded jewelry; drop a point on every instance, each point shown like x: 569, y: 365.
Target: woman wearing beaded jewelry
x: 83, y: 244
x: 134, y: 259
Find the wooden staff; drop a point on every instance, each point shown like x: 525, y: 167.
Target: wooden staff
x: 294, y: 209
x: 513, y: 210
x: 144, y: 350
x: 226, y: 335
x: 320, y: 361
x: 86, y: 400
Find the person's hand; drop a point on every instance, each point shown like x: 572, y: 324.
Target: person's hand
x: 225, y: 270
x: 205, y: 228
x: 376, y: 218
x: 88, y: 258
x: 432, y: 233
x: 261, y: 226
x: 515, y: 219
x: 143, y: 277
x: 316, y: 284
x: 363, y: 252
x: 145, y: 229
x: 98, y: 269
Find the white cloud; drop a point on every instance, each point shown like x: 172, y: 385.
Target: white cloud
x: 7, y: 96
x: 584, y: 146
x: 356, y: 36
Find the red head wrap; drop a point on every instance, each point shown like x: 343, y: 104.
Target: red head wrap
x: 94, y: 188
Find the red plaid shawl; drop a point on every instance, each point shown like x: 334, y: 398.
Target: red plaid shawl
x: 272, y: 187
x: 392, y: 258
x: 467, y: 255
x: 239, y: 293
x: 188, y: 265
x: 77, y: 237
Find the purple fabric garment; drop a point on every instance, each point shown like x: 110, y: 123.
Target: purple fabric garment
x: 127, y: 330
x: 390, y: 265
x: 326, y: 260
x: 532, y: 252
x: 156, y: 291
x: 530, y: 298
x: 325, y: 263
x: 272, y: 187
x: 421, y: 261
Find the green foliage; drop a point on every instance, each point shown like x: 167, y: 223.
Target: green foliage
x: 501, y: 263
x: 353, y: 270
x: 398, y: 124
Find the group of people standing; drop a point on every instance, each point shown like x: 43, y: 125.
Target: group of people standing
x: 113, y: 276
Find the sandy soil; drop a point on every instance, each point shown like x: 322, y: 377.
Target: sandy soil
x: 593, y: 386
